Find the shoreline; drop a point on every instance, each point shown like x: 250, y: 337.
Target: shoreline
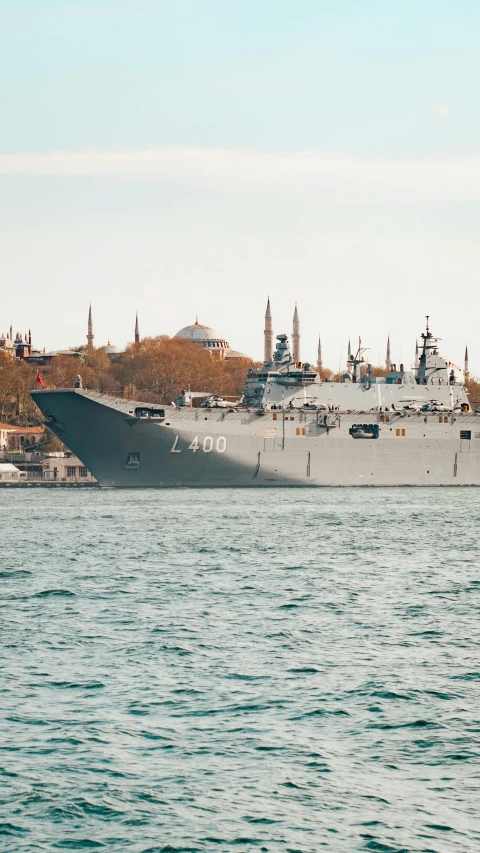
x: 46, y: 485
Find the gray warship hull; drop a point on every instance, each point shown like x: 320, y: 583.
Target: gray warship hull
x: 128, y: 444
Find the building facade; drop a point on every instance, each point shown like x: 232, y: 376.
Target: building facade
x: 65, y: 468
x: 19, y: 346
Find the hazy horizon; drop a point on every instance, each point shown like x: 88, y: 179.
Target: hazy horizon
x: 183, y: 158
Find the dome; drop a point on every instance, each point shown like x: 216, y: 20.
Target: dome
x: 110, y: 349
x: 233, y: 353
x: 197, y: 332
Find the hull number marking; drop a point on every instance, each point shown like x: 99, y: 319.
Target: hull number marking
x: 207, y: 445
x: 174, y: 448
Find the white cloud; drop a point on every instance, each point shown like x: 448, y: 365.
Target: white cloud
x: 441, y: 108
x: 314, y: 174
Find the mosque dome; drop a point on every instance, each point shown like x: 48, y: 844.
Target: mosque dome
x: 197, y: 332
x: 233, y: 353
x: 111, y: 350
x: 209, y: 339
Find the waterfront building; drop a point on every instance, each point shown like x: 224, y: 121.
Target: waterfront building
x: 5, y: 430
x: 65, y: 467
x: 10, y: 473
x: 24, y: 438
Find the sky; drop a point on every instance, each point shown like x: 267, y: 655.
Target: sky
x: 184, y: 157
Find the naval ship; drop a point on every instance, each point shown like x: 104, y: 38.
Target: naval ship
x: 289, y: 428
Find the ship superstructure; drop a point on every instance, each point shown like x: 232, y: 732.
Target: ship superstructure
x: 285, y: 382
x: 289, y: 428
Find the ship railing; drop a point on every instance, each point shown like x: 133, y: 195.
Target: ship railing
x: 328, y: 420
x: 20, y: 456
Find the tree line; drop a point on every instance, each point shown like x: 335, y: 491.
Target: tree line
x: 154, y: 370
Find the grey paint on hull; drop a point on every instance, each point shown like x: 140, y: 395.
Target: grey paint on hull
x: 105, y: 439
x: 198, y: 448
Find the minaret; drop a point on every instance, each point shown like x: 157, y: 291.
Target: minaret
x: 296, y: 336
x: 349, y: 352
x: 417, y: 355
x: 388, y: 358
x: 268, y: 335
x: 90, y: 334
x: 466, y: 373
x: 319, y: 354
x: 137, y: 333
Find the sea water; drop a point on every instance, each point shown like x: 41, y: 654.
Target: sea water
x: 240, y: 670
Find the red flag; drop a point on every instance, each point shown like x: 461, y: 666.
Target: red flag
x: 40, y: 381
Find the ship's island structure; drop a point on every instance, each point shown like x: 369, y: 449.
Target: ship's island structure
x: 288, y: 428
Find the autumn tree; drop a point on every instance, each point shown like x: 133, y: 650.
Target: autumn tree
x: 62, y: 370
x: 325, y: 373
x: 8, y: 385
x: 16, y: 380
x: 473, y: 390
x: 164, y: 366
x: 153, y: 370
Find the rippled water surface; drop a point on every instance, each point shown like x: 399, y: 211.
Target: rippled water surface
x: 279, y: 670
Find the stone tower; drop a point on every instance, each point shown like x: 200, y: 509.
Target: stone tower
x: 268, y: 334
x: 296, y: 336
x: 137, y: 332
x: 90, y: 335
